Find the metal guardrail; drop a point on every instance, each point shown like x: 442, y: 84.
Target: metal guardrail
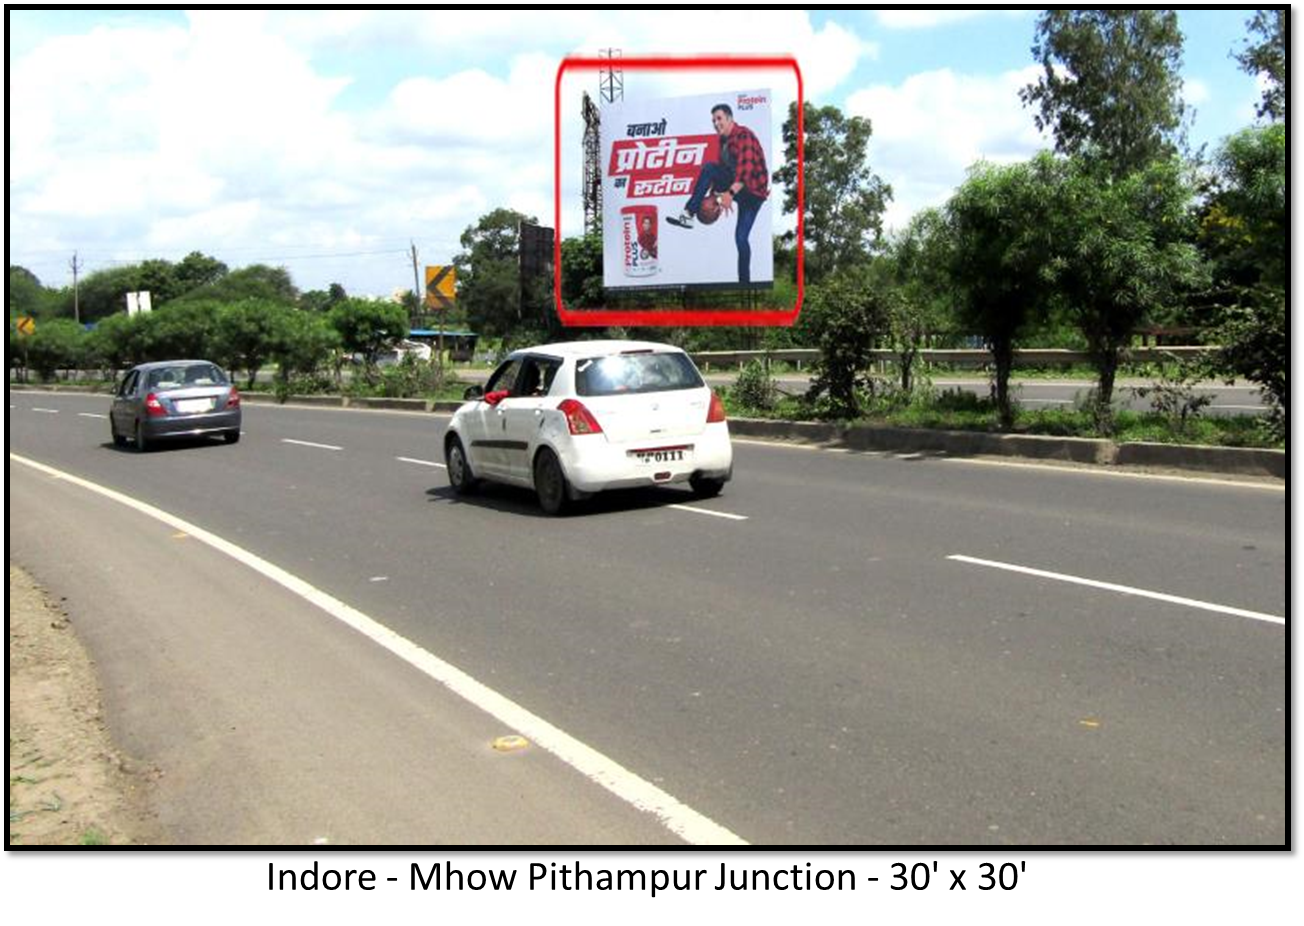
x: 964, y: 358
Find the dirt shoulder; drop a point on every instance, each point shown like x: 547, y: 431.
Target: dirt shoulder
x: 68, y: 784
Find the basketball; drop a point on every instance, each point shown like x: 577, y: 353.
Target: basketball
x: 709, y: 210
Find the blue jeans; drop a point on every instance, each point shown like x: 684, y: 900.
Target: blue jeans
x: 719, y: 177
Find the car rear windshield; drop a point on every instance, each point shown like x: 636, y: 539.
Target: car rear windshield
x: 621, y: 374
x: 181, y: 377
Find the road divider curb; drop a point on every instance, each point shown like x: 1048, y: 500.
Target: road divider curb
x: 338, y: 401
x: 1240, y: 461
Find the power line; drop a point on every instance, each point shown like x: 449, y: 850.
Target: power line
x: 128, y: 261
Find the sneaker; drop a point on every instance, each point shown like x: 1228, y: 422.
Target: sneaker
x: 683, y: 220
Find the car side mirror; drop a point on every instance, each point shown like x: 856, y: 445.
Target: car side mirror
x: 473, y: 392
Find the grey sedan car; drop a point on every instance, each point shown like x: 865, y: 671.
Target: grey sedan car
x: 174, y: 399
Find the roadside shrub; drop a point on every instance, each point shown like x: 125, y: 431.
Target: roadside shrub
x: 755, y: 388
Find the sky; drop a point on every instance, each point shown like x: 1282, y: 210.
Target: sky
x: 331, y: 142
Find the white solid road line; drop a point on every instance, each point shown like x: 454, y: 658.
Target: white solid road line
x: 674, y: 815
x: 308, y: 443
x: 1091, y: 470
x: 421, y: 462
x: 717, y: 514
x: 1123, y: 589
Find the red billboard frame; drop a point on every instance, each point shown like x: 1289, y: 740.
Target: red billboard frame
x: 679, y: 317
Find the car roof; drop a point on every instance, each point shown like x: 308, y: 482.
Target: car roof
x: 594, y: 348
x: 169, y: 363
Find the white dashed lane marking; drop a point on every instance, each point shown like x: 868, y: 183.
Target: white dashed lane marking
x: 1123, y: 589
x: 421, y: 462
x: 308, y: 443
x: 715, y: 514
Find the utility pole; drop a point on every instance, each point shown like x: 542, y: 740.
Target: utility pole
x: 420, y: 293
x: 76, y: 307
x: 416, y: 281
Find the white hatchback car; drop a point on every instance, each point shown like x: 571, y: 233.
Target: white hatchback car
x: 572, y: 419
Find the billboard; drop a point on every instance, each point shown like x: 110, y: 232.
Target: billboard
x: 686, y: 191
x: 138, y: 302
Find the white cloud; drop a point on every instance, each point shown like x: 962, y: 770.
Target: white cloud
x: 931, y: 19
x: 474, y: 108
x: 240, y: 132
x: 929, y: 129
x: 229, y: 224
x: 1195, y: 91
x: 827, y: 55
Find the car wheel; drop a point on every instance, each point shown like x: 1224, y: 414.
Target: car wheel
x: 231, y: 437
x: 460, y: 476
x: 142, y: 442
x: 705, y: 487
x: 118, y: 439
x: 550, y: 483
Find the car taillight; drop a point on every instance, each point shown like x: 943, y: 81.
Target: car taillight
x: 153, y: 406
x: 233, y: 400
x: 578, y: 418
x: 717, y: 410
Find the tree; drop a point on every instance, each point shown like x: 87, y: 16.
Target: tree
x: 102, y: 293
x: 489, y: 275
x: 920, y: 306
x: 1255, y: 345
x: 1267, y: 57
x: 999, y: 246
x: 1123, y: 249
x: 581, y: 266
x: 185, y: 328
x: 1244, y: 226
x: 245, y: 332
x: 1111, y: 87
x: 196, y: 270
x: 16, y: 349
x: 317, y: 300
x: 844, y: 317
x: 57, y: 343
x: 119, y: 341
x: 26, y: 294
x: 257, y: 281
x: 1244, y: 231
x: 300, y: 343
x: 844, y: 198
x: 366, y: 326
x: 159, y: 279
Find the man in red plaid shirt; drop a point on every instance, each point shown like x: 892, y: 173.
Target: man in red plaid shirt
x: 738, y: 177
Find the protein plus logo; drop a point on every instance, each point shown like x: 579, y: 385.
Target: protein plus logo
x: 750, y: 102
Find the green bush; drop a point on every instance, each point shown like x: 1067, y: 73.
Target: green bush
x: 755, y: 388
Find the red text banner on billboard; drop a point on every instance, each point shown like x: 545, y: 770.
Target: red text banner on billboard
x: 681, y: 189
x: 686, y: 191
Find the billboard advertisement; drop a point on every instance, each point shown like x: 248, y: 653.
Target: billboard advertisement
x: 686, y: 191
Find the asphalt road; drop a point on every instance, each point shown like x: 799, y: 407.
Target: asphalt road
x: 799, y: 660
